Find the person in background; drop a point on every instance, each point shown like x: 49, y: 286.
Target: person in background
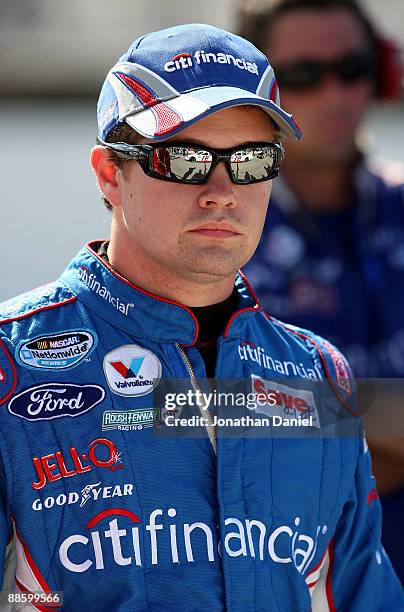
x: 331, y: 257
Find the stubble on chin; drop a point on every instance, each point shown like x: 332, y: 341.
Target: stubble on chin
x: 212, y: 261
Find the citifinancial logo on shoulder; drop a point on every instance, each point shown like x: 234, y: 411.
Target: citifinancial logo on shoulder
x: 55, y: 400
x: 90, y: 280
x: 248, y: 351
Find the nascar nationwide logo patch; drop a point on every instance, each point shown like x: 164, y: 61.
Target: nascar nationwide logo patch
x: 59, y: 351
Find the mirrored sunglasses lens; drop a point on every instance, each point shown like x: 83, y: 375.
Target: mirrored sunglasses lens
x: 253, y: 164
x: 182, y: 163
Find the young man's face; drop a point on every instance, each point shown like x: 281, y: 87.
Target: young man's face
x: 330, y: 112
x: 204, y: 232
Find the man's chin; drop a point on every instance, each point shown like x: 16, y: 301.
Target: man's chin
x: 213, y: 266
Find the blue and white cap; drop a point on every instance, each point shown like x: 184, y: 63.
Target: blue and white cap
x: 170, y: 79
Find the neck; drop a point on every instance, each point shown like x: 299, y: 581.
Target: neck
x: 319, y: 187
x: 148, y: 274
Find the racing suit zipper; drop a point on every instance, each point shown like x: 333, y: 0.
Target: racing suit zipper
x: 210, y: 428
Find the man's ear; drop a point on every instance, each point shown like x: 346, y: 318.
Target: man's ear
x: 106, y: 173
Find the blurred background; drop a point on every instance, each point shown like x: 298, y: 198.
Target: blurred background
x: 53, y: 59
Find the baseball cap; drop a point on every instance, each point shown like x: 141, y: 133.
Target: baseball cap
x: 168, y: 80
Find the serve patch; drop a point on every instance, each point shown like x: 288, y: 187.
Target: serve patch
x: 282, y: 401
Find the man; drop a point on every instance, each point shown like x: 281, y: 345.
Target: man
x: 97, y: 505
x: 341, y: 223
x: 330, y: 257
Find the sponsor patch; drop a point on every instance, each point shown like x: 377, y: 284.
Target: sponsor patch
x: 164, y: 538
x: 8, y: 374
x: 283, y: 401
x: 90, y: 280
x: 101, y: 453
x: 91, y: 492
x: 185, y: 60
x: 372, y: 496
x: 55, y: 400
x: 132, y: 370
x: 248, y: 351
x: 130, y: 420
x: 341, y: 368
x: 59, y: 351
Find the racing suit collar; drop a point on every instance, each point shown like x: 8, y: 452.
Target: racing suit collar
x: 135, y: 310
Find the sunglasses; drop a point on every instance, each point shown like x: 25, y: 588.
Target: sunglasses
x: 192, y: 164
x: 308, y: 74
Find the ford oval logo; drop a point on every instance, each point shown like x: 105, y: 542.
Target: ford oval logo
x: 55, y: 400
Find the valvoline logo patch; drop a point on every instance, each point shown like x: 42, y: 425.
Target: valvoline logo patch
x: 128, y: 372
x: 132, y: 370
x: 55, y: 400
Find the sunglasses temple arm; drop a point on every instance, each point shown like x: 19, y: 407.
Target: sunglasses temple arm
x: 124, y: 150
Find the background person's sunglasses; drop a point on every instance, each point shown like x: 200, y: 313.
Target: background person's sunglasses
x: 309, y: 73
x: 191, y: 163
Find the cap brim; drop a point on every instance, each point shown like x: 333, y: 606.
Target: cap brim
x: 165, y: 119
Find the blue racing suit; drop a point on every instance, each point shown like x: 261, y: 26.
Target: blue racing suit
x: 95, y: 505
x: 342, y: 275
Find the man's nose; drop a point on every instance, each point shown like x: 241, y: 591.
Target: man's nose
x: 219, y: 191
x: 333, y: 86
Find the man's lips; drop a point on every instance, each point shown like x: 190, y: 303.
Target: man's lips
x: 220, y: 230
